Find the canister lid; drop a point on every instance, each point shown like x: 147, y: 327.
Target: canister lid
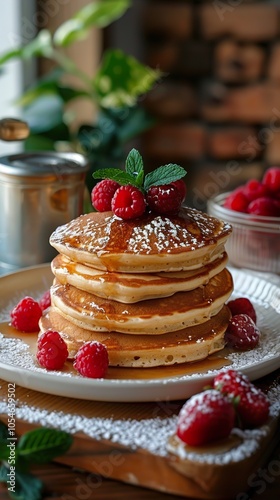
x: 43, y: 163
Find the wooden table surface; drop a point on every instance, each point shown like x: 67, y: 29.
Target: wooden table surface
x: 63, y: 482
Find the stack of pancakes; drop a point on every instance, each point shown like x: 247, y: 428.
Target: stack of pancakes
x: 153, y: 289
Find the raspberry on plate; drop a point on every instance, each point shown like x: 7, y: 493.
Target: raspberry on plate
x: 128, y: 202
x: 26, y: 314
x: 242, y: 333
x: 205, y: 417
x: 92, y: 360
x: 164, y: 199
x: 252, y: 405
x: 52, y: 351
x: 45, y: 300
x: 242, y: 305
x: 102, y: 194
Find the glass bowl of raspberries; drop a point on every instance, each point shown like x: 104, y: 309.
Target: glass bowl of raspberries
x: 253, y: 210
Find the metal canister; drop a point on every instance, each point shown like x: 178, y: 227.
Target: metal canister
x: 38, y: 192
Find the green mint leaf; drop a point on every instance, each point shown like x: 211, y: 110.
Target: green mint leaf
x: 43, y: 445
x: 134, y: 163
x: 115, y: 175
x: 26, y: 485
x: 139, y: 179
x: 4, y: 449
x: 164, y: 175
x: 4, y: 473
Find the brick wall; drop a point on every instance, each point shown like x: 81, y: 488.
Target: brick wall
x: 218, y: 105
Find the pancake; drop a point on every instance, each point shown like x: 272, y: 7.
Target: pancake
x: 151, y: 243
x: 149, y: 317
x: 129, y: 288
x: 143, y: 351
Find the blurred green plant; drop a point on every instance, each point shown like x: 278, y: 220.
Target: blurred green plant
x: 116, y: 88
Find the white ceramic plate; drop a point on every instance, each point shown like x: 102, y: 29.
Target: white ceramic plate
x: 17, y: 363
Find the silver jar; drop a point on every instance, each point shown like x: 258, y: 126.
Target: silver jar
x: 38, y: 192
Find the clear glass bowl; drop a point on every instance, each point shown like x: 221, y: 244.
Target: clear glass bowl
x: 255, y: 240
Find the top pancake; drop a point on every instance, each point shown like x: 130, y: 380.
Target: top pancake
x: 151, y: 243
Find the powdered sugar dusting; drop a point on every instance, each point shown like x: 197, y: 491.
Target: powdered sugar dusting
x: 248, y: 440
x: 190, y: 230
x: 16, y: 353
x: 150, y: 434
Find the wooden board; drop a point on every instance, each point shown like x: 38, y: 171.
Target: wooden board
x: 134, y: 465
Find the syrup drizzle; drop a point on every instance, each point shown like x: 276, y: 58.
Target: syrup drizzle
x: 213, y: 362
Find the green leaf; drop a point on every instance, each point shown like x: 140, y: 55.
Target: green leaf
x: 44, y: 113
x: 134, y: 163
x: 98, y: 13
x: 28, y: 487
x: 43, y: 445
x: 51, y: 88
x: 38, y: 143
x: 136, y: 121
x: 121, y: 79
x: 4, y: 435
x: 135, y: 167
x: 164, y: 175
x: 4, y: 473
x: 39, y: 46
x: 11, y: 54
x: 115, y: 175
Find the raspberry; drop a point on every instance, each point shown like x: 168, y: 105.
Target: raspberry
x: 252, y: 405
x: 263, y: 206
x: 164, y: 199
x: 205, y: 417
x: 92, y: 360
x: 45, y: 300
x: 181, y: 186
x: 242, y: 333
x: 52, y: 351
x: 237, y: 201
x: 255, y: 189
x: 128, y: 202
x: 102, y: 194
x: 271, y: 179
x: 26, y: 314
x: 242, y: 306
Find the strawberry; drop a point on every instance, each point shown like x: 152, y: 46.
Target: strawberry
x: 252, y: 405
x: 231, y: 382
x: 205, y: 417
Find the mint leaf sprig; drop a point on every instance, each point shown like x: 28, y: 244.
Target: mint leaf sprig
x: 37, y: 446
x: 134, y: 173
